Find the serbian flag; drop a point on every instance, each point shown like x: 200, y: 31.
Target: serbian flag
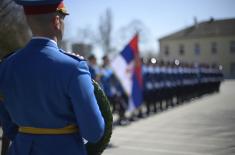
x: 127, y: 68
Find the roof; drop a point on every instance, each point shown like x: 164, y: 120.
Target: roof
x: 211, y: 28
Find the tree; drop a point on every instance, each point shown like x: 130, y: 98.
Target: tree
x: 14, y: 32
x: 86, y: 35
x: 105, y: 31
x: 125, y: 33
x: 135, y: 26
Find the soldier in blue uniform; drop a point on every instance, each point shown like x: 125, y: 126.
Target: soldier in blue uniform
x: 94, y: 68
x: 47, y: 98
x: 107, y: 82
x: 148, y: 74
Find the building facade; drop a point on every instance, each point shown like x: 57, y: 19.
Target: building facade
x: 211, y: 42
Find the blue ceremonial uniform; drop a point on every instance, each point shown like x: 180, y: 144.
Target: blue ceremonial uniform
x: 43, y: 87
x: 92, y: 71
x: 106, y: 81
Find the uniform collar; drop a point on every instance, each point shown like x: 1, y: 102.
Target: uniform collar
x: 40, y: 42
x: 44, y: 38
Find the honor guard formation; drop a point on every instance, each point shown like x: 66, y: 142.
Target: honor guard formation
x: 165, y: 84
x: 177, y: 82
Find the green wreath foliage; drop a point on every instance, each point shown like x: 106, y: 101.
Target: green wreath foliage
x: 104, y: 105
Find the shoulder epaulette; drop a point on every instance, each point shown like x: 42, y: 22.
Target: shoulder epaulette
x: 73, y: 55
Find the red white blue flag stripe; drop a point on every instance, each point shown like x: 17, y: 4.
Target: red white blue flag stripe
x: 127, y: 67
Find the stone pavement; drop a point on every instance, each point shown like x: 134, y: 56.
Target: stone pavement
x: 204, y: 126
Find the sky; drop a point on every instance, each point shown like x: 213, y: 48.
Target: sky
x: 160, y: 17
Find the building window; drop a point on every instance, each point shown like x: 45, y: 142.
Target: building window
x: 213, y: 47
x: 181, y: 49
x: 232, y: 46
x: 166, y: 50
x: 197, y: 49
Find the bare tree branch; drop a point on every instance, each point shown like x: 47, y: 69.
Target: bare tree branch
x: 105, y: 30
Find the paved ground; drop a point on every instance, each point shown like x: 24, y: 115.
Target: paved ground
x: 204, y: 126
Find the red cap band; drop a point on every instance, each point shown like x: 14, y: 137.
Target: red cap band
x: 30, y: 10
x: 43, y: 9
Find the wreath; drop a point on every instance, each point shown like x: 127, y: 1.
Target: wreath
x: 104, y: 105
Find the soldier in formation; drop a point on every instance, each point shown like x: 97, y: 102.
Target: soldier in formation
x: 165, y: 84
x: 172, y: 83
x: 47, y: 100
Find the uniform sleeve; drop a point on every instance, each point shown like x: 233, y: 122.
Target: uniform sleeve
x: 81, y: 92
x: 9, y: 128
